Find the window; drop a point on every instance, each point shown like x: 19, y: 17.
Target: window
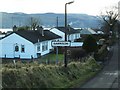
x: 22, y: 48
x: 16, y: 48
x: 44, y: 46
x: 38, y: 47
x: 76, y: 36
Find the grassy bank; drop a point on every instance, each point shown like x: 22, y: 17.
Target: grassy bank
x: 48, y: 76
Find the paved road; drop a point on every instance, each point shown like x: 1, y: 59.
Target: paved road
x: 108, y: 77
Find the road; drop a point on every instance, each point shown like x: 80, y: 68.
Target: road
x: 108, y: 77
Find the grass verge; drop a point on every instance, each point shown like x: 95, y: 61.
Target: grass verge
x: 49, y: 76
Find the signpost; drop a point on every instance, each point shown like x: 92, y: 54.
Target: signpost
x: 65, y: 44
x: 60, y: 43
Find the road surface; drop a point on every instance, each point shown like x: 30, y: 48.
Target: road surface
x: 108, y: 77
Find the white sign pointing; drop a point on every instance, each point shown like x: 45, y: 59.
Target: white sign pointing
x: 60, y: 43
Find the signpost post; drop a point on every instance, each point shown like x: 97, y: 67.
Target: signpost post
x: 65, y: 44
x: 58, y: 44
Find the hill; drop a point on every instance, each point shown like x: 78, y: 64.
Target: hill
x: 49, y: 20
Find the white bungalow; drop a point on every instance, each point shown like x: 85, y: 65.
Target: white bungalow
x: 72, y: 34
x: 27, y: 44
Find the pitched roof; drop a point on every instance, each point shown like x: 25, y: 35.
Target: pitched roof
x: 69, y: 30
x: 34, y: 36
x: 51, y: 35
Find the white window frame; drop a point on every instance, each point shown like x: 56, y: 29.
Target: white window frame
x: 38, y: 47
x: 44, y: 46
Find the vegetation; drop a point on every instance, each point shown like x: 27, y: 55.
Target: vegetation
x: 77, y: 53
x: 90, y: 44
x: 34, y: 75
x: 109, y: 17
x: 24, y: 28
x: 51, y: 58
x: 33, y: 22
x: 101, y: 54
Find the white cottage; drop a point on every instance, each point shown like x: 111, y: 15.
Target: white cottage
x: 27, y: 44
x: 72, y: 34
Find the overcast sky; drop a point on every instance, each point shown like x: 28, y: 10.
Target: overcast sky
x: 91, y: 7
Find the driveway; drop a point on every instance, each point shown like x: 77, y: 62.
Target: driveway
x: 108, y: 77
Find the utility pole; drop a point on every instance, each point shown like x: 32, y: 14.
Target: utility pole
x: 65, y: 61
x: 57, y: 22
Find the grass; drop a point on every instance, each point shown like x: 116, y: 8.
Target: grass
x: 34, y: 75
x: 51, y: 58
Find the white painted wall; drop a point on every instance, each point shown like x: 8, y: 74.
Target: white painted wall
x: 43, y: 52
x: 70, y: 37
x: 58, y: 32
x: 7, y: 47
x: 1, y: 48
x: 75, y: 44
x: 46, y: 51
x: 8, y: 44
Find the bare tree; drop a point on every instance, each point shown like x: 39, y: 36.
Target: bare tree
x: 110, y: 16
x: 34, y: 22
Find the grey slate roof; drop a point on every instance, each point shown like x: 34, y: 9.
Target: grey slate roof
x: 33, y: 36
x: 69, y: 30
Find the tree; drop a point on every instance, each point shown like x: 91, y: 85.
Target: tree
x: 90, y: 44
x: 24, y: 28
x: 118, y: 25
x: 110, y: 16
x: 33, y: 22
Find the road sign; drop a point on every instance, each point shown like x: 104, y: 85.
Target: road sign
x: 60, y: 43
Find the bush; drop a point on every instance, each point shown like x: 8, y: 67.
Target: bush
x: 90, y: 44
x: 101, y: 54
x: 77, y: 53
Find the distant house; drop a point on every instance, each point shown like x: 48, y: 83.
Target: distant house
x: 5, y: 30
x: 72, y: 34
x: 100, y: 32
x: 2, y: 35
x: 87, y: 31
x: 27, y: 44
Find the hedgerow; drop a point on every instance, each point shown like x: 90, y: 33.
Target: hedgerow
x: 48, y: 76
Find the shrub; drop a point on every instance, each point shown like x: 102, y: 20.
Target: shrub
x: 90, y: 44
x: 101, y: 54
x: 77, y: 53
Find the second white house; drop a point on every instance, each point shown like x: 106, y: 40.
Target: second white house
x: 72, y: 34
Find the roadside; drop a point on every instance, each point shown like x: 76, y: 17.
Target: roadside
x: 107, y: 78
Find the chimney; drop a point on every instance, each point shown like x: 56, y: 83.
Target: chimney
x: 40, y: 30
x: 14, y: 28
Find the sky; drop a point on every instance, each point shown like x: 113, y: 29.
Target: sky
x: 90, y: 7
